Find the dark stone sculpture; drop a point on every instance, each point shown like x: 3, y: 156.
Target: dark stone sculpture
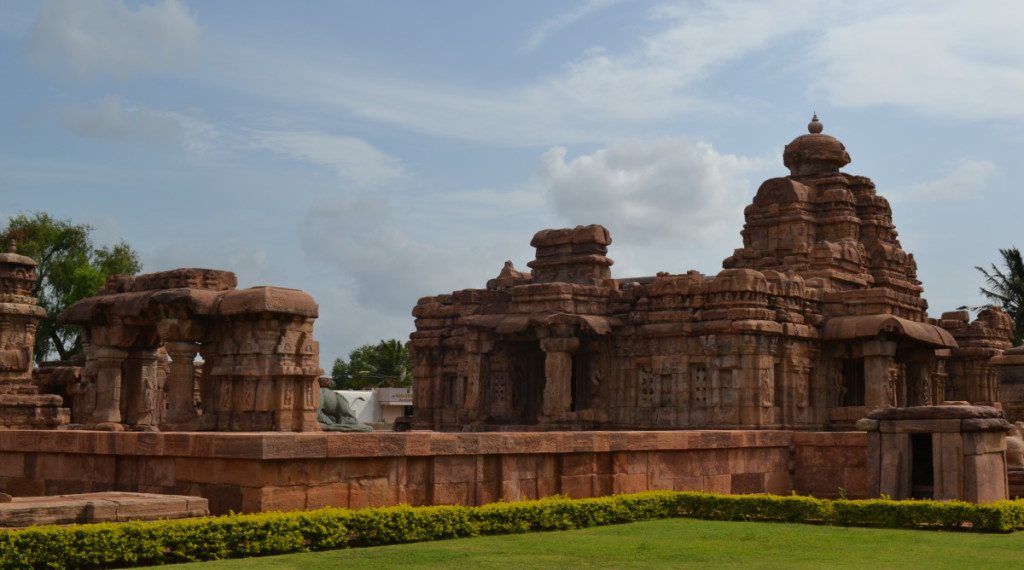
x: 334, y: 413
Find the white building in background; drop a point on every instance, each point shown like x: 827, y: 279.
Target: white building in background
x: 379, y: 405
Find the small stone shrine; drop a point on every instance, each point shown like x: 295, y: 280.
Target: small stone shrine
x: 142, y: 335
x: 816, y: 320
x: 972, y: 373
x: 944, y: 452
x: 21, y: 404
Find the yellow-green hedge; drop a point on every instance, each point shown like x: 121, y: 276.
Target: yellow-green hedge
x: 233, y: 536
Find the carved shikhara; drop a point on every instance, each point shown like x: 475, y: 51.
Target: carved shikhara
x: 816, y: 319
x: 21, y: 404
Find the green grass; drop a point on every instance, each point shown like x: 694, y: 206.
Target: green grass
x: 676, y: 543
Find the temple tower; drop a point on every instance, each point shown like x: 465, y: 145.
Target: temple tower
x: 21, y: 404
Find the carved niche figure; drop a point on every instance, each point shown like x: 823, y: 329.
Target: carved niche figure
x: 801, y: 388
x: 838, y: 387
x: 892, y: 381
x: 924, y: 390
x: 595, y: 388
x: 767, y: 385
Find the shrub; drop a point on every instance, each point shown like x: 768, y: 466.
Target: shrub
x: 234, y: 536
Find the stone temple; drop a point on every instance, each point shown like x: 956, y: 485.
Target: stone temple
x: 748, y: 381
x: 817, y: 319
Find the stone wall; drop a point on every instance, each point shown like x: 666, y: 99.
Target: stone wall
x: 250, y: 472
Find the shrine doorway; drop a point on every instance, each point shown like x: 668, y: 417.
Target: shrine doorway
x: 527, y: 379
x: 922, y: 466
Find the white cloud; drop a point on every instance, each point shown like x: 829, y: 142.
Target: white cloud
x: 110, y: 118
x: 596, y: 96
x: 374, y: 259
x: 966, y: 179
x: 352, y: 158
x: 98, y: 37
x: 558, y: 22
x: 954, y: 59
x: 663, y: 190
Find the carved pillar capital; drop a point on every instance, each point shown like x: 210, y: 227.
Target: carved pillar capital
x: 560, y: 344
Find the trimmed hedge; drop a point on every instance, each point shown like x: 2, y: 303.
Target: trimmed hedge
x: 234, y: 536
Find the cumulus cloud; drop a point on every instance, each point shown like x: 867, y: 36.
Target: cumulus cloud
x: 375, y: 259
x: 669, y: 189
x: 967, y: 178
x: 389, y: 269
x: 98, y: 37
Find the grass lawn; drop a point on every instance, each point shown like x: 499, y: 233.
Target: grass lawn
x: 676, y: 543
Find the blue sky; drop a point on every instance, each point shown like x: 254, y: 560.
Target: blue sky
x: 375, y: 152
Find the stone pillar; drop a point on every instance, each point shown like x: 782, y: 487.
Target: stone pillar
x: 180, y: 382
x: 108, y: 363
x: 477, y: 349
x: 557, y: 376
x: 878, y: 355
x: 141, y: 390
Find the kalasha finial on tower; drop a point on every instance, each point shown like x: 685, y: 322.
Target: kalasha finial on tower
x: 815, y: 126
x: 14, y: 246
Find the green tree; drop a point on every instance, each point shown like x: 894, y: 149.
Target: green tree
x: 70, y: 268
x: 386, y: 363
x: 1006, y: 288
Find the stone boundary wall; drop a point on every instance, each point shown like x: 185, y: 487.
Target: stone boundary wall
x: 252, y: 472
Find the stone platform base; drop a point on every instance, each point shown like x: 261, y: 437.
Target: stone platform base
x: 252, y: 472
x: 98, y: 507
x: 32, y: 411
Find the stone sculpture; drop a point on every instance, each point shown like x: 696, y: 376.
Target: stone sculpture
x: 1015, y: 448
x: 334, y: 413
x: 800, y: 330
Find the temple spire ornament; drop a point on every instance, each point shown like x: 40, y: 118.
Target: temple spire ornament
x: 815, y: 126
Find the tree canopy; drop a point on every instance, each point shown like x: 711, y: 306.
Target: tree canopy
x: 386, y: 363
x: 70, y: 268
x: 1006, y: 288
